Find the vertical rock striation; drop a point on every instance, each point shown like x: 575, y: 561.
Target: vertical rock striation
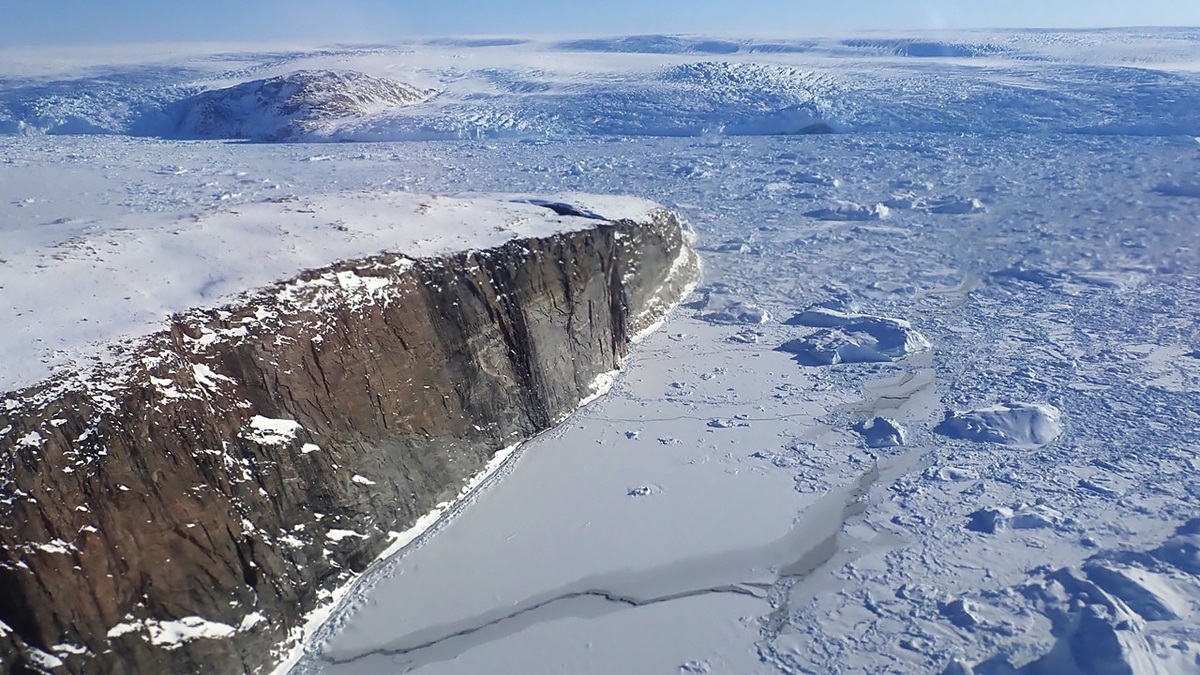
x: 181, y: 511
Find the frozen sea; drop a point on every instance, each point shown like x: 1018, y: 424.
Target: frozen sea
x: 933, y: 407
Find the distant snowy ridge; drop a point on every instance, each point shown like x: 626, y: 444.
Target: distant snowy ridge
x: 289, y: 107
x: 1098, y: 82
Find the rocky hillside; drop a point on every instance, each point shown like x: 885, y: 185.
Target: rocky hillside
x: 289, y: 107
x: 182, y: 511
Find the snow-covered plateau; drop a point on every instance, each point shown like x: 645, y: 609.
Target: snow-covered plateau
x: 934, y: 407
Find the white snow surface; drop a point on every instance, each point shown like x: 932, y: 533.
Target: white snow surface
x: 1039, y: 247
x: 267, y: 431
x: 73, y: 286
x: 174, y: 633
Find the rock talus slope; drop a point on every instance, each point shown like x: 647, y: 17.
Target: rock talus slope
x: 183, y: 514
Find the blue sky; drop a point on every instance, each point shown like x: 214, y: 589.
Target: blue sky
x: 110, y: 21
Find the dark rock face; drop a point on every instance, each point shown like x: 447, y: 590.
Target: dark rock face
x: 182, y: 513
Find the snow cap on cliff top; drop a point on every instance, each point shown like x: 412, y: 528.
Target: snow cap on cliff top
x: 68, y: 290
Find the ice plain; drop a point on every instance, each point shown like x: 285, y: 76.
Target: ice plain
x: 1023, y: 202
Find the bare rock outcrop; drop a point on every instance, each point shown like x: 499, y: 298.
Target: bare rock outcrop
x: 182, y: 511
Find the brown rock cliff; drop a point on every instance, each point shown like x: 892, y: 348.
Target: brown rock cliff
x: 183, y: 511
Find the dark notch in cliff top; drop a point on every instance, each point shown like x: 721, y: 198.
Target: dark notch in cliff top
x: 562, y: 208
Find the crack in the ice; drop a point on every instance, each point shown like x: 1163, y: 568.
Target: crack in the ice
x: 812, y: 551
x: 697, y: 418
x: 629, y: 601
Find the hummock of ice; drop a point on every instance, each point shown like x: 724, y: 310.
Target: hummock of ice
x: 1183, y: 549
x: 737, y: 312
x: 719, y: 305
x: 1152, y: 596
x: 950, y: 205
x: 1023, y: 517
x: 852, y: 338
x: 881, y: 432
x: 1183, y: 189
x: 1101, y: 628
x: 1017, y: 424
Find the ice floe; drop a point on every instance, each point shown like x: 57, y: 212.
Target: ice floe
x: 719, y: 306
x: 1016, y: 424
x: 852, y: 338
x: 881, y: 432
x: 850, y: 211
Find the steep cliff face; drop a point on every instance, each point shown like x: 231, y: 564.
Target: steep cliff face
x: 182, y: 511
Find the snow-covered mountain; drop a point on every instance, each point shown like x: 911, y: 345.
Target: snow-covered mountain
x: 297, y: 106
